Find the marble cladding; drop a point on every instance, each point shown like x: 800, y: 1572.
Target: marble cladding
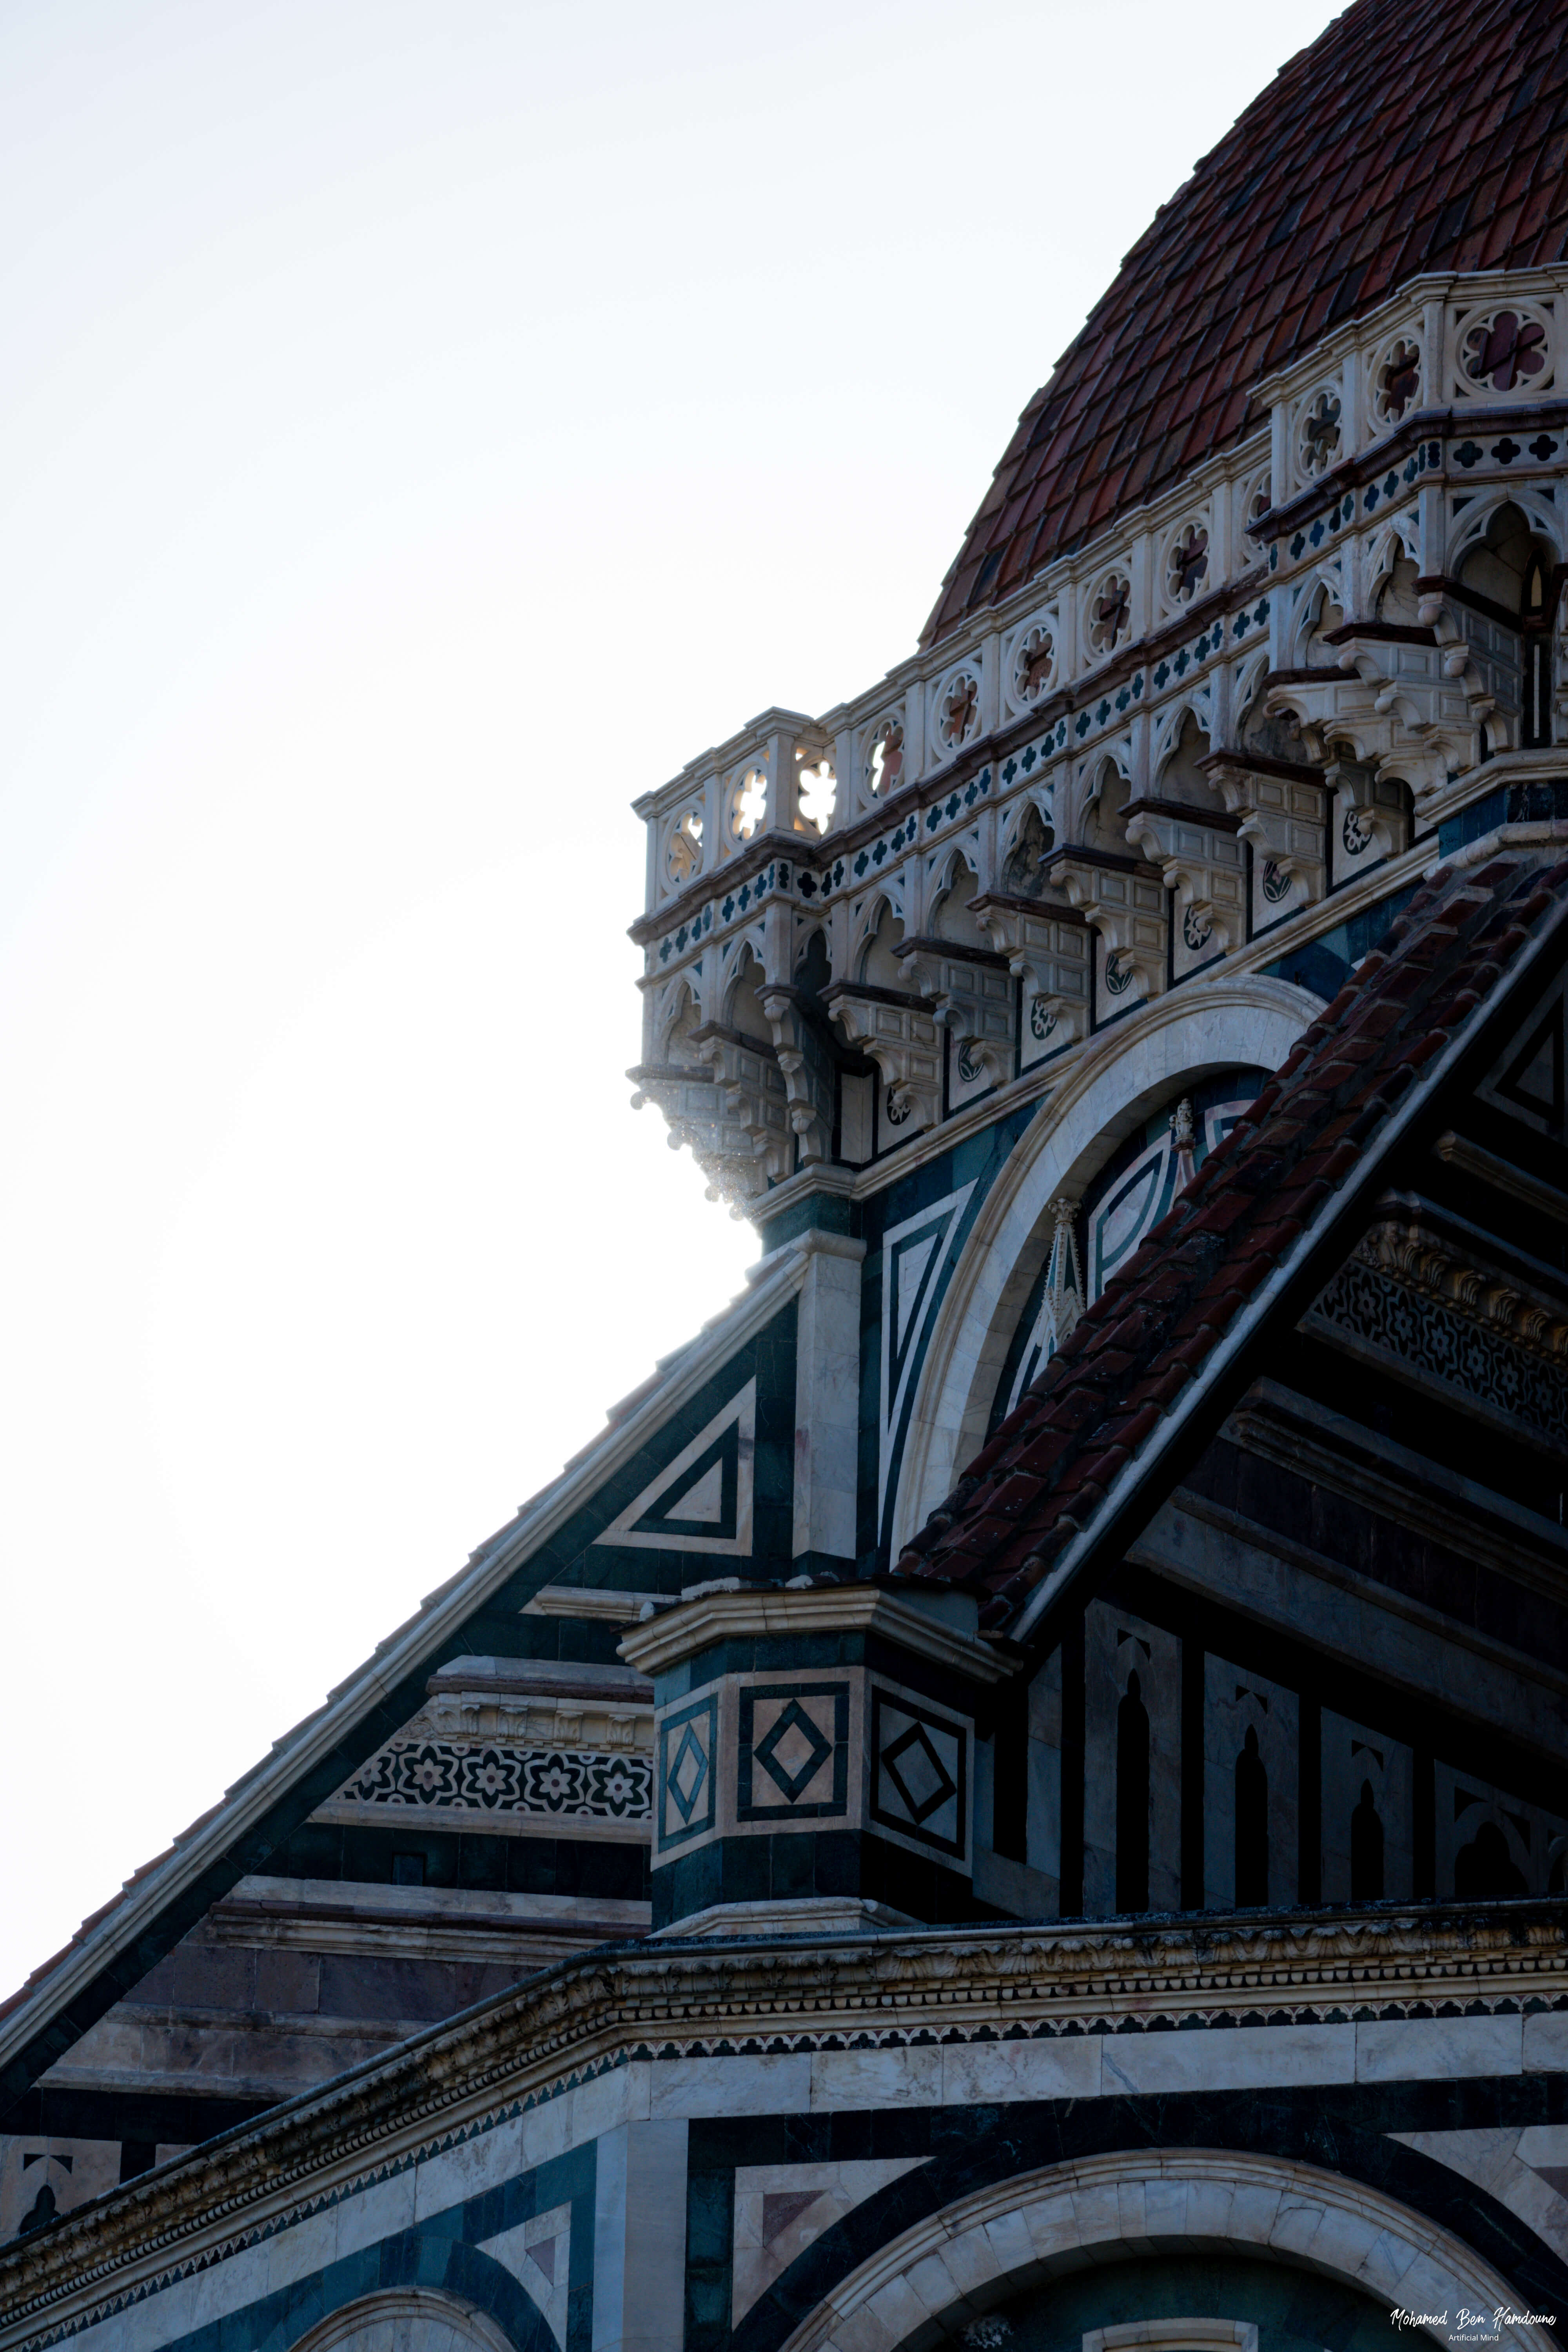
x: 637, y: 2116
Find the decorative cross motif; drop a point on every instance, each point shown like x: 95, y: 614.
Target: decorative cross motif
x: 958, y: 708
x: 886, y: 758
x: 1320, y: 433
x: 1399, y: 381
x: 1187, y: 562
x: 1111, y: 613
x: 1505, y: 349
x: 1033, y: 664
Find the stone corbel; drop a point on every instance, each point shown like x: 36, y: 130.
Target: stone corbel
x: 1392, y: 700
x: 1479, y: 652
x: 1370, y: 815
x: 898, y: 1031
x: 1047, y: 947
x: 1200, y: 858
x: 732, y: 1113
x: 971, y: 993
x: 1124, y: 901
x: 1282, y: 812
x: 807, y: 1071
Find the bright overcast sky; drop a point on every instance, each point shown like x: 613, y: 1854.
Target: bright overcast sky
x: 423, y: 426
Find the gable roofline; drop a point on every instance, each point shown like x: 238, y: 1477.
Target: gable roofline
x: 32, y: 2033
x: 1032, y: 1602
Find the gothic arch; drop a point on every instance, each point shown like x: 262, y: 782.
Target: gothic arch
x: 1248, y: 1021
x: 676, y: 1016
x: 1316, y: 599
x: 942, y: 2273
x: 1399, y: 538
x: 947, y: 907
x: 1470, y: 528
x: 727, y: 971
x: 870, y: 958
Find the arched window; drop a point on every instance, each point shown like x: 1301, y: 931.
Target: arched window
x: 1133, y: 1801
x: 1251, y: 1826
x: 1367, y: 1849
x: 1485, y: 1870
x: 1535, y: 634
x: 1515, y: 575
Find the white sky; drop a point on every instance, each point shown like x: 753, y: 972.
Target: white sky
x: 425, y: 425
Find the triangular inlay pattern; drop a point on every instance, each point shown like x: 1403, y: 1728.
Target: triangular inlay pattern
x: 701, y: 1500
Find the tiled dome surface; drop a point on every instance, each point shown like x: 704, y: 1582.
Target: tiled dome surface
x: 1404, y: 140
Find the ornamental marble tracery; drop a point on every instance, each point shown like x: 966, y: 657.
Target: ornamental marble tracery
x: 1351, y: 687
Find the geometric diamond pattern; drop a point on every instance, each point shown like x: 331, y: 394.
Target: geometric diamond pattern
x: 687, y: 1740
x: 793, y: 1761
x: 919, y: 1773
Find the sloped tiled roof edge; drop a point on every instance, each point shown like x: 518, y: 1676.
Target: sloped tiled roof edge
x: 116, y: 1945
x: 1154, y: 1364
x: 1403, y: 142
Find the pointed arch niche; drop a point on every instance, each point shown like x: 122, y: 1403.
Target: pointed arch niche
x: 1122, y: 1078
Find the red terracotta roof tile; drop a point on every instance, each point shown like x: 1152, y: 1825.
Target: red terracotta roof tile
x: 1373, y: 155
x: 1132, y: 1354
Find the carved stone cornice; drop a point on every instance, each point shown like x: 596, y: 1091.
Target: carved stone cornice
x: 1405, y: 1245
x: 740, y: 1613
x: 587, y: 2015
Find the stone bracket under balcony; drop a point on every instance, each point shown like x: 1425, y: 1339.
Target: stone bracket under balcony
x: 1202, y: 860
x: 1047, y: 947
x: 1408, y: 704
x: 971, y: 993
x: 1282, y: 810
x: 898, y: 1031
x: 806, y: 1061
x: 1124, y: 900
x: 1370, y: 815
x: 733, y: 1113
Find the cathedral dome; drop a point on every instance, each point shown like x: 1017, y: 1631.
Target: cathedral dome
x: 1402, y: 142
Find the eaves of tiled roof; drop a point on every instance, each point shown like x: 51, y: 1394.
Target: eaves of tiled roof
x: 1403, y: 141
x: 1153, y: 1367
